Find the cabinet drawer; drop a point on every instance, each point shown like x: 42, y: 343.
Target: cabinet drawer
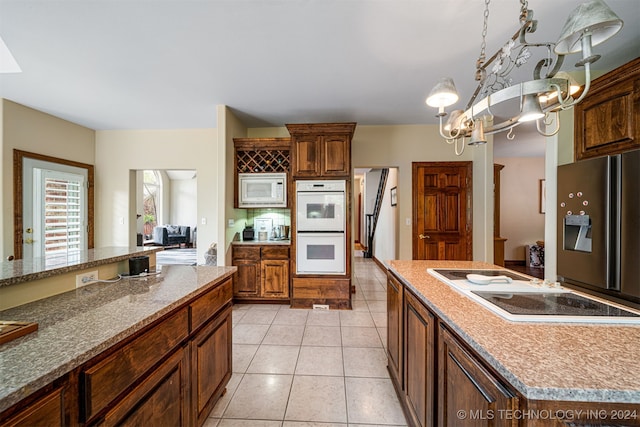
x: 46, y: 411
x: 313, y: 288
x: 246, y: 252
x: 275, y: 252
x: 106, y: 380
x: 208, y: 304
x: 161, y: 399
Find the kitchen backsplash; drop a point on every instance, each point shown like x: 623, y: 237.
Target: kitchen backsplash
x: 278, y: 216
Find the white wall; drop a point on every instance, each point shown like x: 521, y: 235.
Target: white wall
x: 120, y: 152
x: 521, y: 223
x: 229, y: 127
x: 371, y: 182
x: 30, y: 130
x: 399, y: 146
x: 184, y: 202
x: 385, y: 241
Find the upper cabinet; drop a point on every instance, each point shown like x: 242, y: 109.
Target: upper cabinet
x: 261, y: 155
x: 607, y: 121
x: 321, y: 150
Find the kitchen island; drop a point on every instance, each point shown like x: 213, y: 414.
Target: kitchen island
x: 26, y: 280
x: 158, y: 345
x: 452, y: 360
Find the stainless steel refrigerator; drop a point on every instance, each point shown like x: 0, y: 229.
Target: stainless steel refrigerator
x: 599, y: 225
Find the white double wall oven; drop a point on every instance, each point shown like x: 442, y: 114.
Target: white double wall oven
x: 321, y: 227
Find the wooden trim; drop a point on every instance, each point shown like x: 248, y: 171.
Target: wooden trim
x: 18, y: 157
x: 380, y: 264
x: 321, y: 128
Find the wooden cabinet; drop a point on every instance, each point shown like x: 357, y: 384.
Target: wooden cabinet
x: 101, y: 383
x: 395, y: 329
x: 172, y: 372
x: 419, y: 361
x: 247, y: 259
x: 260, y: 155
x: 434, y: 374
x: 162, y: 398
x: 263, y: 272
x: 607, y: 121
x: 275, y: 278
x: 321, y: 150
x: 465, y: 384
x: 211, y: 365
x: 47, y: 410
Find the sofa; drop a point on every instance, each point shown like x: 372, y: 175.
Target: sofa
x: 167, y: 235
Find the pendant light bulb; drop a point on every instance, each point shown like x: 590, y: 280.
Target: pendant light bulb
x: 531, y: 109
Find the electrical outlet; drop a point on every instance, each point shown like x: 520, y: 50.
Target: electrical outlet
x: 86, y: 278
x: 320, y: 307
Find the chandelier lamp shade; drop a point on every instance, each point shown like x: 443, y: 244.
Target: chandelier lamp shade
x: 539, y: 99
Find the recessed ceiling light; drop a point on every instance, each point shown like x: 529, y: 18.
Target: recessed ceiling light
x: 8, y: 63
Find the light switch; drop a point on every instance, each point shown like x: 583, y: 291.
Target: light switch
x: 203, y: 221
x: 231, y: 223
x: 407, y: 221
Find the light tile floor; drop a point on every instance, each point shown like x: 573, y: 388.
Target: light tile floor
x: 294, y: 368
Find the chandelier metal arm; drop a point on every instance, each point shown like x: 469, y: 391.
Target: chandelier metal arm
x: 484, y: 66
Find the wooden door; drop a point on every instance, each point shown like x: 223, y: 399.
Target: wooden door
x: 275, y: 278
x: 464, y: 384
x: 336, y: 155
x: 442, y: 210
x: 247, y: 259
x: 211, y: 365
x: 306, y: 156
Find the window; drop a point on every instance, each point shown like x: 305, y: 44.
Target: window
x: 60, y: 196
x: 152, y: 191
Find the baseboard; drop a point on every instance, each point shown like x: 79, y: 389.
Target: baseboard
x: 380, y: 264
x: 516, y: 262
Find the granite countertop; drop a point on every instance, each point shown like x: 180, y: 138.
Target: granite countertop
x: 23, y: 270
x: 550, y: 361
x: 262, y: 242
x: 78, y: 325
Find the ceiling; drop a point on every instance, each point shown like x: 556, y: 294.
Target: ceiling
x: 167, y: 64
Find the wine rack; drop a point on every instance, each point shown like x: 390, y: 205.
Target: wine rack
x: 262, y: 161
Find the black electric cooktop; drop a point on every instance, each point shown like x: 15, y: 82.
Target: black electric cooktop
x: 459, y: 274
x: 553, y: 304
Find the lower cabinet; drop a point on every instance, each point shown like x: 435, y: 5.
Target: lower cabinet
x: 434, y: 374
x: 419, y: 361
x: 161, y: 399
x: 210, y: 364
x: 263, y: 272
x: 394, y: 330
x: 467, y: 392
x: 47, y: 410
x: 172, y: 373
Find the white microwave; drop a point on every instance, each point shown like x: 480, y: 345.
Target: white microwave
x: 262, y: 190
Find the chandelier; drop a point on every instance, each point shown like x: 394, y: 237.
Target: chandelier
x: 540, y: 99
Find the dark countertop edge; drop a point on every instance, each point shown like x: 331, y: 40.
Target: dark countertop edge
x: 532, y: 393
x: 15, y: 396
x: 261, y: 242
x: 79, y: 266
